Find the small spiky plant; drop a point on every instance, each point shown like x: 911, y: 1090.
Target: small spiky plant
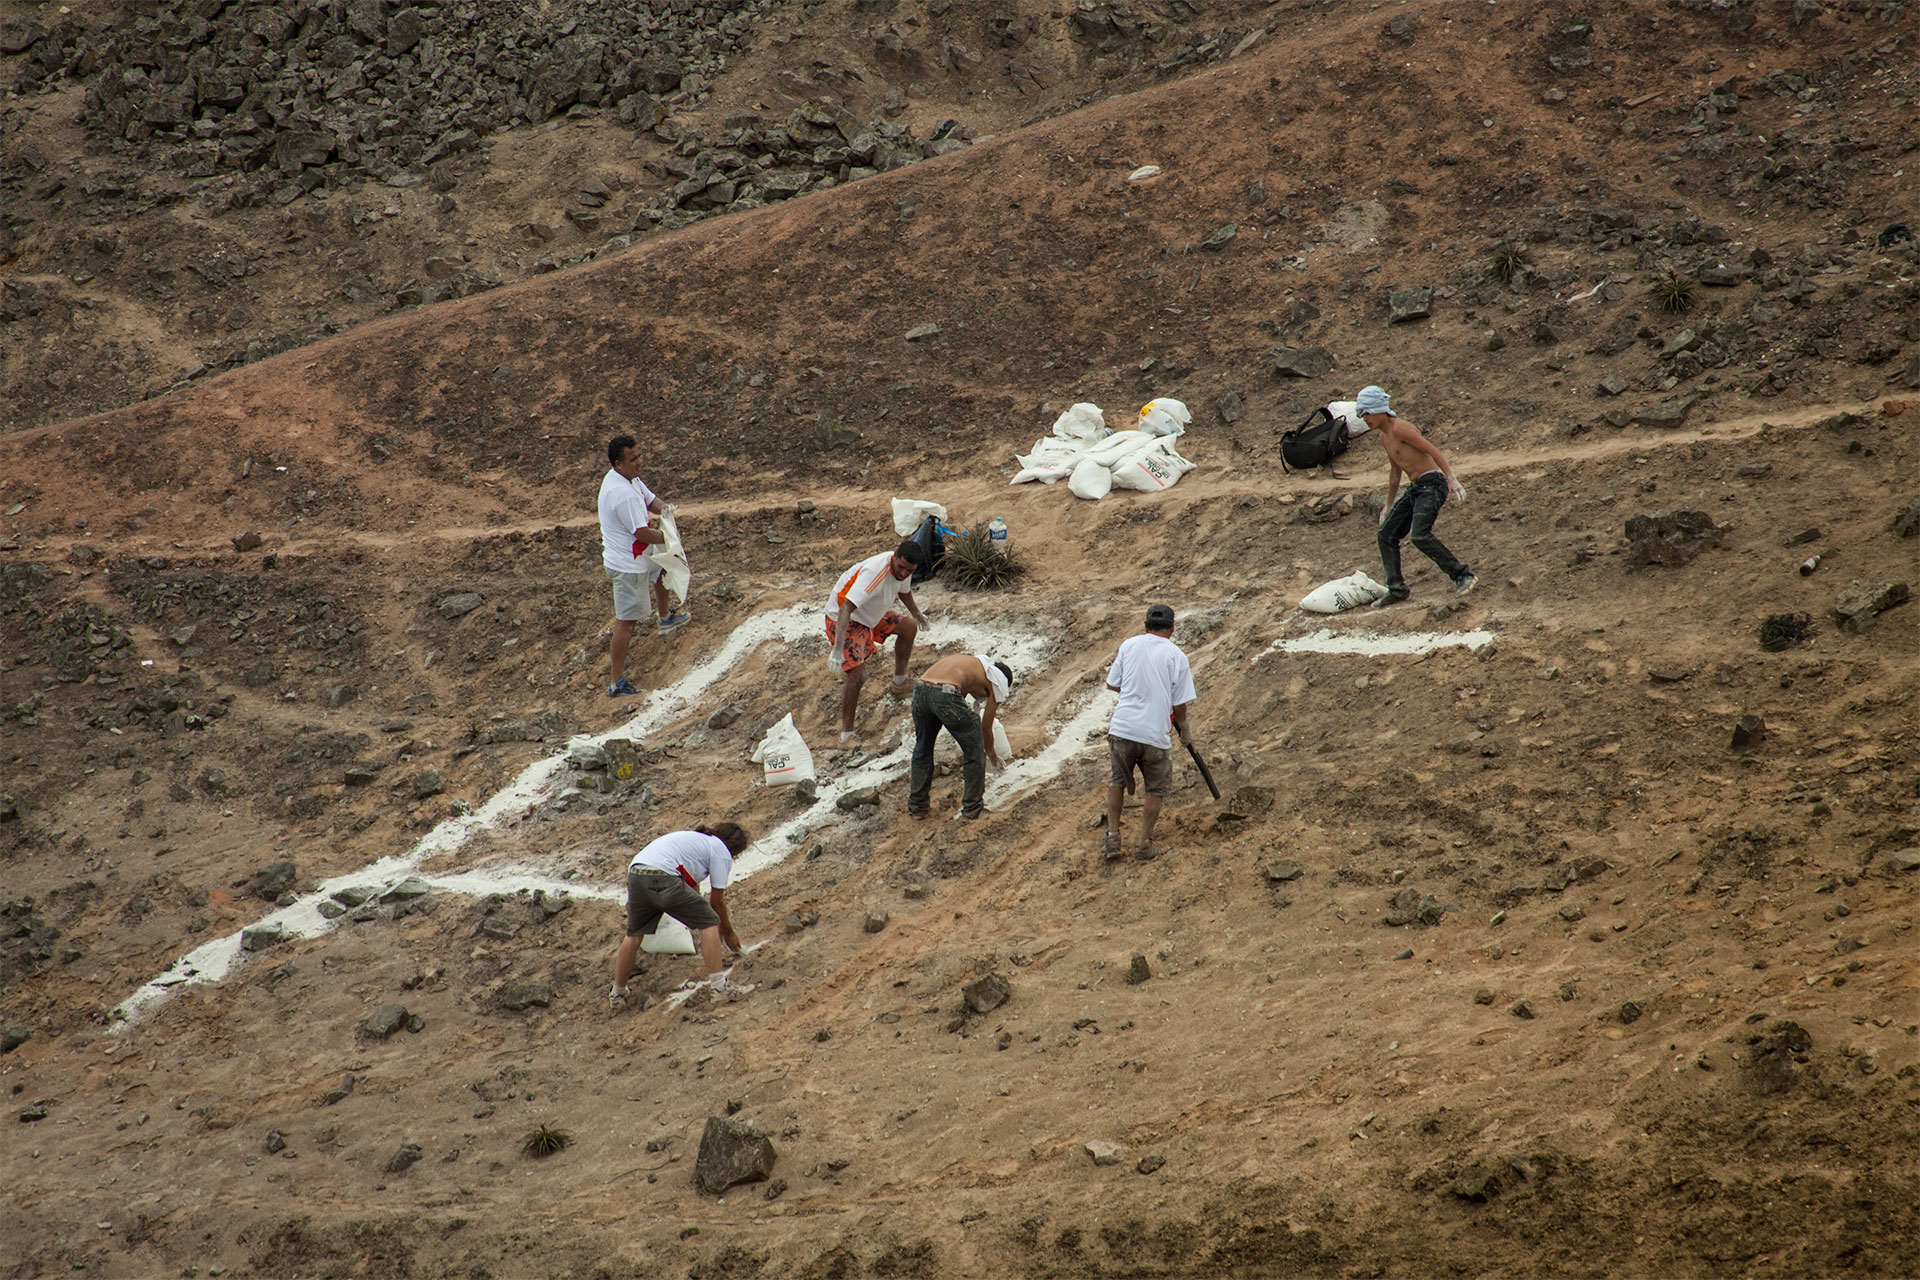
x: 1673, y: 292
x: 546, y: 1141
x: 1509, y: 257
x: 972, y: 561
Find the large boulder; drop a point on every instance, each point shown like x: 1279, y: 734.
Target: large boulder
x: 732, y: 1153
x: 1671, y: 537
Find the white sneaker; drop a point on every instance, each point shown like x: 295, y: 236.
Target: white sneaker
x: 616, y: 1001
x: 731, y: 990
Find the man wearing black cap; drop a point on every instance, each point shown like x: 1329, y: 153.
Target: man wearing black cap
x: 1155, y: 685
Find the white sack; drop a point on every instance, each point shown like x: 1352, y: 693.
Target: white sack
x: 783, y: 754
x: 1349, y: 412
x: 1343, y: 593
x: 1001, y: 747
x: 1081, y: 422
x: 1119, y: 445
x: 909, y: 512
x: 671, y: 557
x: 1164, y: 417
x: 1091, y: 479
x: 1050, y: 461
x: 669, y: 938
x: 1151, y: 469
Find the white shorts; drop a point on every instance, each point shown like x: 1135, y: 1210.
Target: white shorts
x: 630, y: 602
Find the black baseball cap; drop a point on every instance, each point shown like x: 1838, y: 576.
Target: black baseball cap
x: 1159, y: 616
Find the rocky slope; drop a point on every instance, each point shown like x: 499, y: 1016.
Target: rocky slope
x: 1580, y: 942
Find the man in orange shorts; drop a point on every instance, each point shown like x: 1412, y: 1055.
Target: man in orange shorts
x: 860, y: 617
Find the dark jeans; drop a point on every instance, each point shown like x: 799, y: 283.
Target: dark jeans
x: 1414, y: 511
x: 934, y: 706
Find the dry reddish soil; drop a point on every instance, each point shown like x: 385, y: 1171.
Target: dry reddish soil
x: 1667, y: 1022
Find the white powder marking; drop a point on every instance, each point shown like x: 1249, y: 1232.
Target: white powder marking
x: 1369, y: 643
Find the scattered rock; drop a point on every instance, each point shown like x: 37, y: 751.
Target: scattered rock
x: 1906, y: 521
x: 405, y: 1158
x: 1748, y: 731
x: 262, y: 936
x: 1150, y: 1164
x: 1283, y: 872
x: 406, y: 891
x: 856, y: 797
x: 1137, y: 970
x: 921, y: 332
x: 731, y: 1153
x: 340, y: 1092
x: 1230, y: 406
x: 272, y: 880
x: 1522, y: 1010
x: 722, y: 718
x: 519, y: 995
x: 1409, y: 304
x: 1613, y: 384
x: 384, y: 1021
x: 428, y: 783
x: 1410, y: 906
x: 1104, y: 1152
x: 1477, y: 1184
x: 459, y: 603
x: 1302, y: 362
x: 1778, y: 1054
x: 247, y: 541
x: 1862, y: 603
x: 876, y: 921
x: 1665, y: 413
x: 984, y: 995
x: 1671, y: 537
x: 1629, y: 1012
x: 13, y: 1037
x: 1483, y: 996
x: 1898, y: 861
x: 276, y: 1142
x: 1220, y: 237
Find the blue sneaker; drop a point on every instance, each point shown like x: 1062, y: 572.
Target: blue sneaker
x: 621, y: 689
x: 674, y: 622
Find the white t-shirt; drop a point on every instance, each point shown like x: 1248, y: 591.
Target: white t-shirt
x: 623, y: 512
x: 872, y: 588
x: 1153, y: 678
x: 703, y: 857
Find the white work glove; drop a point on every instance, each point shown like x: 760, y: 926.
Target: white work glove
x: 1456, y: 492
x: 835, y: 658
x: 669, y: 510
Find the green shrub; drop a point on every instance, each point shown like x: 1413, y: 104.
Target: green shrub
x: 972, y: 561
x: 1673, y: 292
x: 1509, y: 256
x: 546, y: 1141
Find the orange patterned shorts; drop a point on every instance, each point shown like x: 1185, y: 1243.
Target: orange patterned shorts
x: 864, y: 641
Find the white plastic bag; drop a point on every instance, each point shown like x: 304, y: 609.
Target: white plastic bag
x: 669, y: 938
x: 1343, y: 593
x: 1164, y: 417
x: 1082, y: 421
x: 1001, y: 747
x: 1091, y: 479
x: 671, y: 556
x: 1151, y: 469
x: 783, y: 755
x: 909, y: 512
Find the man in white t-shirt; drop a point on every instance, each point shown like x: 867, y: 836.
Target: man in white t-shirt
x: 664, y: 880
x: 860, y: 617
x: 627, y: 508
x: 1155, y: 685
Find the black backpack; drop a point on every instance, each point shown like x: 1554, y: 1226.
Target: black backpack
x: 1314, y: 443
x: 933, y: 546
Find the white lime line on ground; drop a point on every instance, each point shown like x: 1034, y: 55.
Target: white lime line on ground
x: 1326, y: 640
x: 215, y: 960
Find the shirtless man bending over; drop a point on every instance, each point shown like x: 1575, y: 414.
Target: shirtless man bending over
x: 940, y: 701
x: 1414, y: 511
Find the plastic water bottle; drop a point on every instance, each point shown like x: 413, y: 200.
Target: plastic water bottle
x: 997, y: 535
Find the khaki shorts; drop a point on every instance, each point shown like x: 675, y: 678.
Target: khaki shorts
x: 1155, y: 763
x: 630, y: 603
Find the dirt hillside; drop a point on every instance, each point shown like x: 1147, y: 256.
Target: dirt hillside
x: 1565, y: 927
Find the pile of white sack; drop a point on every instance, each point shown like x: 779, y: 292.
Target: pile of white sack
x: 1095, y: 462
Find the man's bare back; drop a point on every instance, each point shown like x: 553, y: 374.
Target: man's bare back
x: 962, y: 672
